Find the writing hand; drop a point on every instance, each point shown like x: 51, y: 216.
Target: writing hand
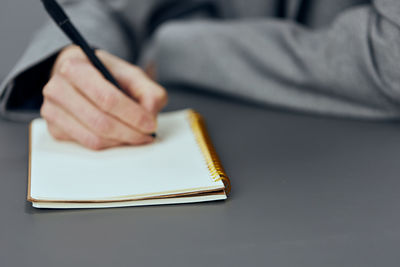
x: 81, y: 105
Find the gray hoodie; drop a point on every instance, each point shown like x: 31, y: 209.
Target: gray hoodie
x: 337, y: 58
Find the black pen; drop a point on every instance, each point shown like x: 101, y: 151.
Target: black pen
x: 59, y: 16
x: 57, y: 13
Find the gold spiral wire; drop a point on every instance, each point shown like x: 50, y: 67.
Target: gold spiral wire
x: 203, y: 139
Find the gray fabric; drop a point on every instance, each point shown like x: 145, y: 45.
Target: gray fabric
x: 342, y: 62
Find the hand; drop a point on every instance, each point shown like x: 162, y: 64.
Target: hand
x: 81, y: 105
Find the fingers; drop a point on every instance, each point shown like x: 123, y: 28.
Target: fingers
x: 60, y: 92
x: 81, y: 105
x: 58, y: 133
x: 147, y: 92
x: 105, y: 96
x: 60, y: 122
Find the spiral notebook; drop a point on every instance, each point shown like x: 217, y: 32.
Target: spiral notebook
x: 181, y: 166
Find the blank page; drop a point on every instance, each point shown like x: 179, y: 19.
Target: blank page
x: 66, y: 171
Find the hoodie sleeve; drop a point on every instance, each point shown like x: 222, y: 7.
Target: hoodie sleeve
x: 348, y: 69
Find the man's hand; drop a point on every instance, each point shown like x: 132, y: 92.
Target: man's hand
x: 81, y: 105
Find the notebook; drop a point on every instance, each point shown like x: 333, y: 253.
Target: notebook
x: 181, y: 166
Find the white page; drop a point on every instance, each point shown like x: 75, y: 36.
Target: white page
x: 67, y: 171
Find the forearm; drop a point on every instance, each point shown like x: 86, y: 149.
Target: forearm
x: 349, y: 69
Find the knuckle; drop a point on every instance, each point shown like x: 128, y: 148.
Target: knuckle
x: 70, y: 51
x: 56, y: 134
x: 107, y: 101
x: 162, y: 96
x: 93, y: 142
x: 158, y: 98
x: 47, y: 113
x: 141, y: 120
x: 66, y: 67
x: 50, y: 90
x: 67, y: 58
x: 101, y: 124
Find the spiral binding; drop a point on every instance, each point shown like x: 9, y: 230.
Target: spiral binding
x: 204, y: 141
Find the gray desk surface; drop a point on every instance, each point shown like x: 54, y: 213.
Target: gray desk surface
x: 307, y: 191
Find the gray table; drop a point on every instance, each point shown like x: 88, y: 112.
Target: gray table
x: 307, y: 191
